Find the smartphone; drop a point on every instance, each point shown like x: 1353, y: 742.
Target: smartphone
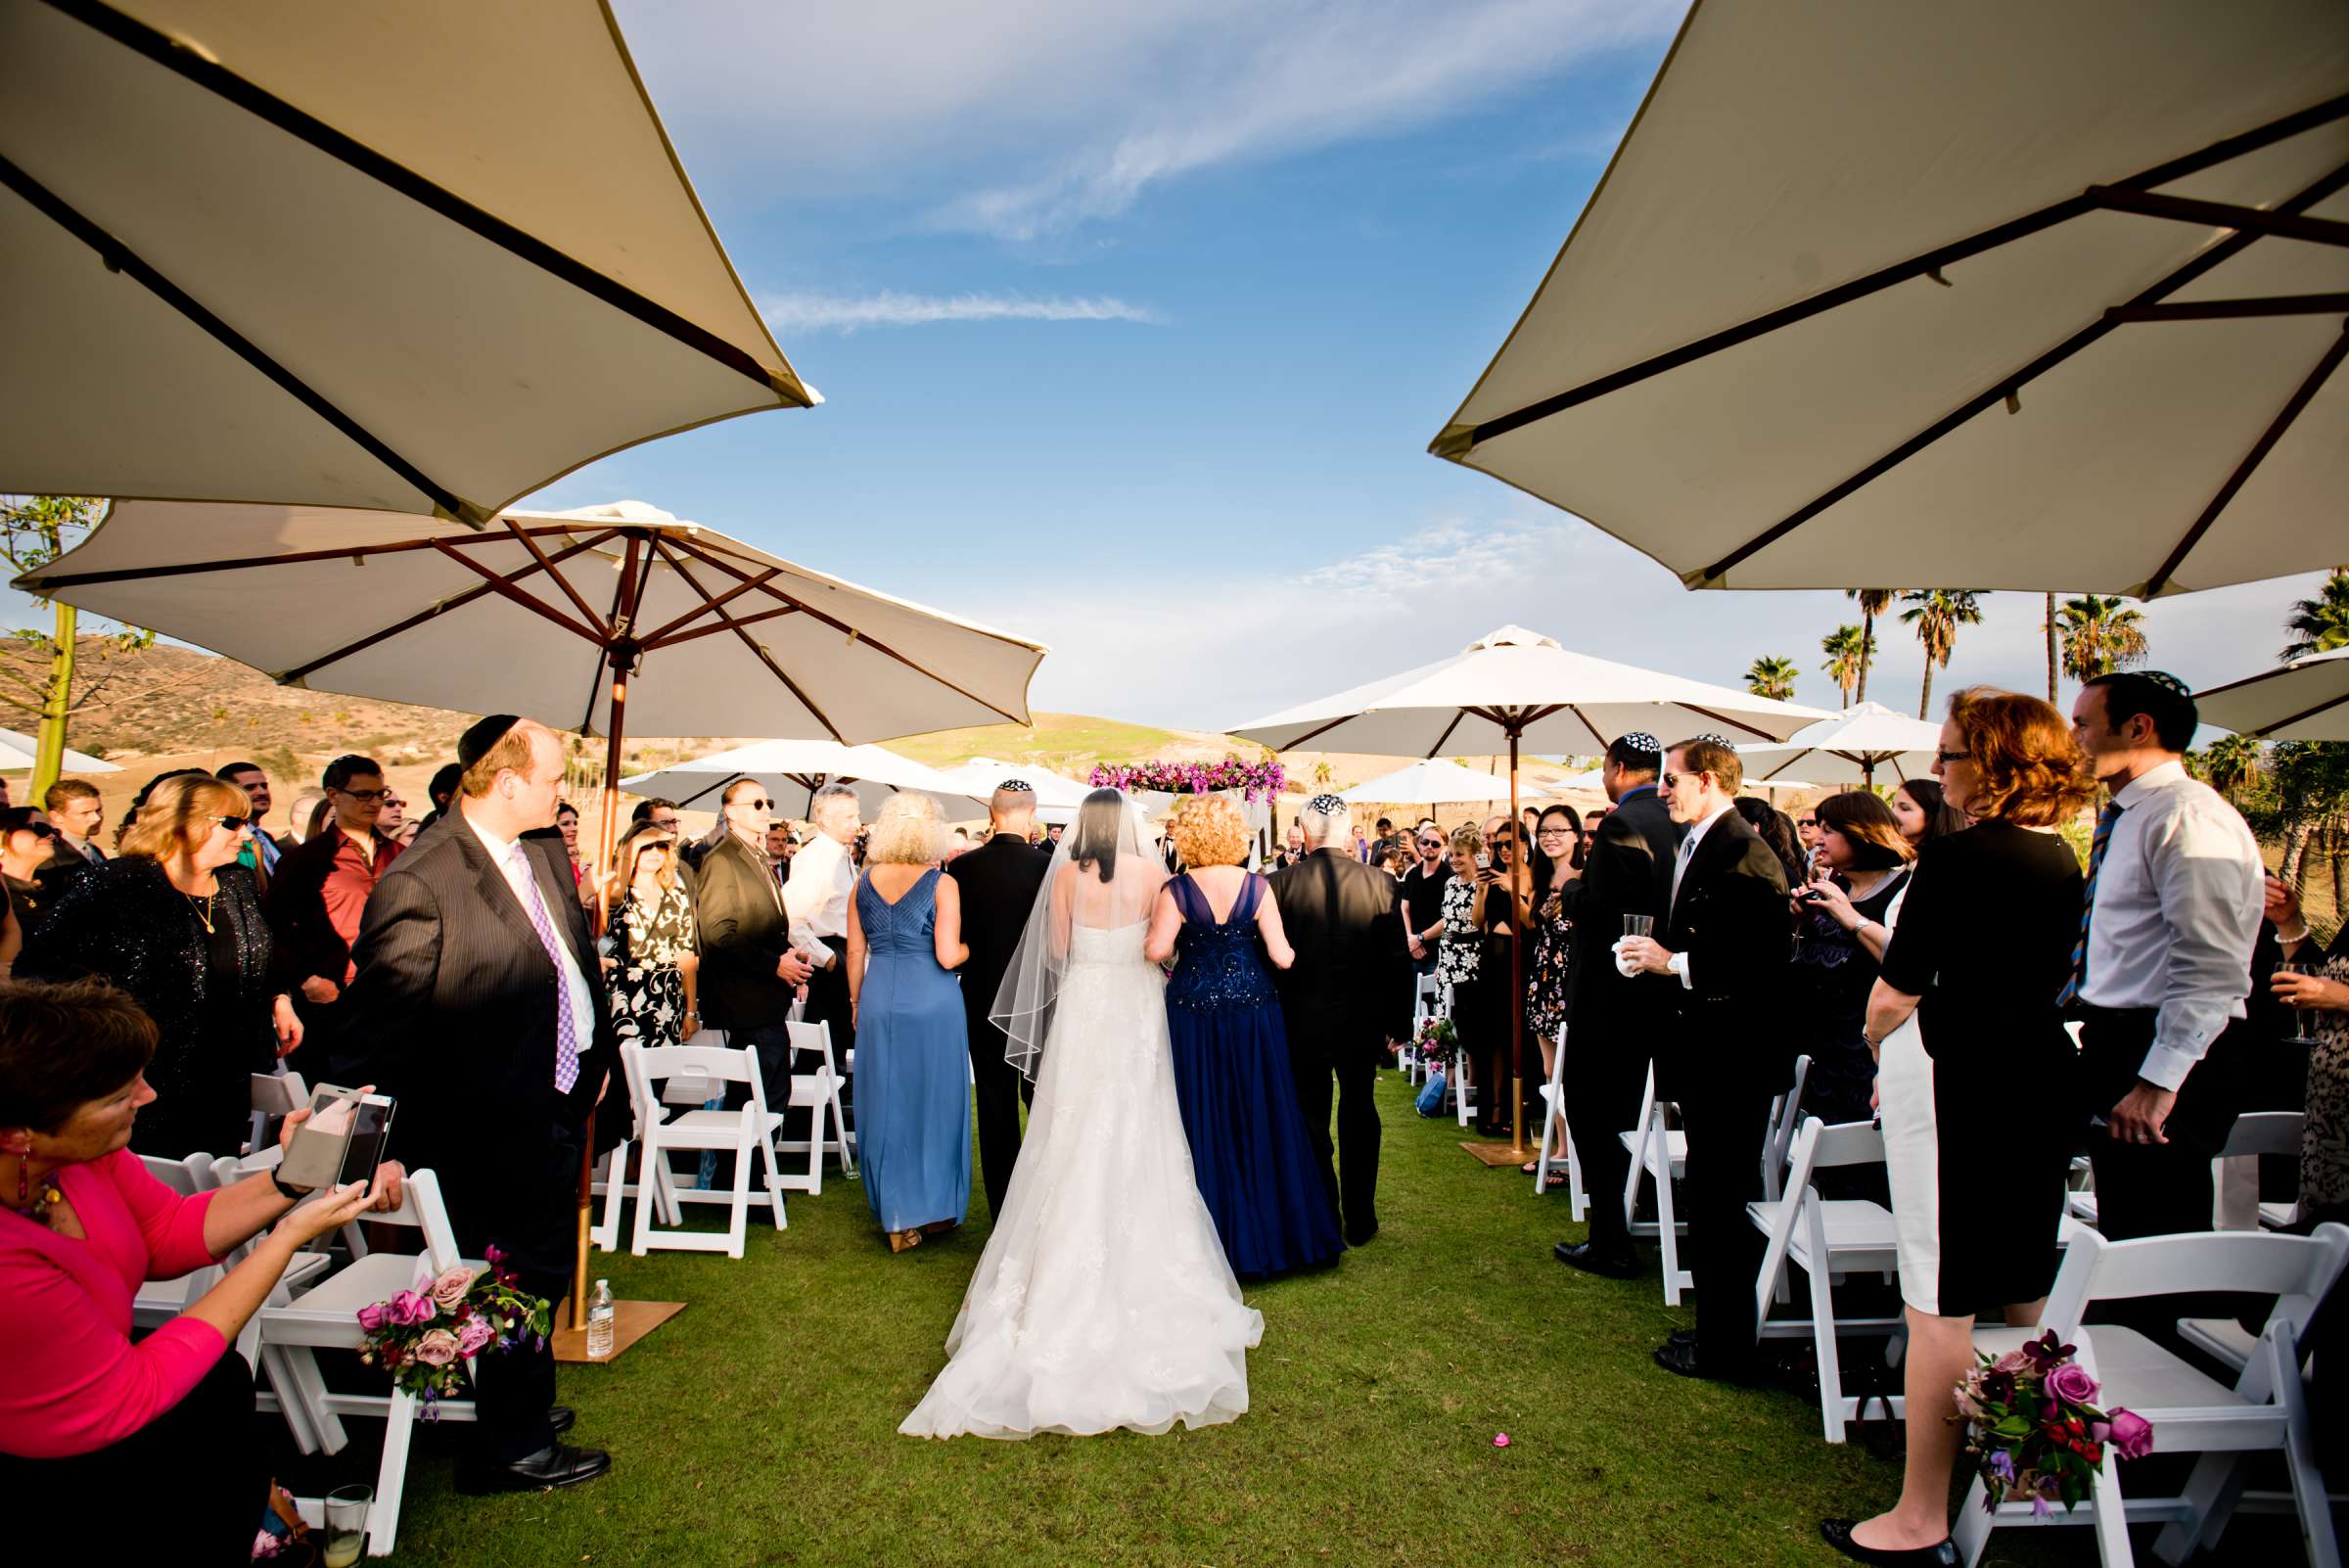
x: 342, y: 1140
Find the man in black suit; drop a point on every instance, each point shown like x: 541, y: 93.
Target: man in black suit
x: 1339, y: 1000
x: 76, y: 813
x: 749, y: 970
x: 1717, y: 957
x: 478, y: 1004
x: 1613, y: 1020
x: 998, y: 882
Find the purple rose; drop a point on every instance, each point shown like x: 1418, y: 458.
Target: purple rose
x: 437, y: 1348
x: 2071, y: 1384
x: 2132, y: 1433
x: 475, y: 1337
x: 410, y: 1307
x: 373, y: 1318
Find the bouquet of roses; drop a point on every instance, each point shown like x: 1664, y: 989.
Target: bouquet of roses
x: 1435, y: 1038
x: 424, y: 1337
x: 2034, y: 1430
x: 1251, y: 779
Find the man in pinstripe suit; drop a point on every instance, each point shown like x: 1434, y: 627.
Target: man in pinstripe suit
x: 480, y: 1004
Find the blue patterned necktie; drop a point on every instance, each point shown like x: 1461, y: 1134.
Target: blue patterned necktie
x: 533, y: 904
x: 2088, y: 904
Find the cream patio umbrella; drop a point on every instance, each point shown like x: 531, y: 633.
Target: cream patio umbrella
x: 2005, y: 294
x: 792, y: 770
x: 19, y: 750
x: 2307, y: 699
x: 1847, y: 748
x: 1521, y: 688
x: 1437, y: 781
x: 422, y: 256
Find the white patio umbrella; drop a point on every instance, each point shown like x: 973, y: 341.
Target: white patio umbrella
x: 1518, y: 690
x: 1848, y: 747
x: 423, y: 255
x: 2307, y: 699
x: 792, y: 770
x: 1436, y: 781
x: 19, y: 750
x: 1057, y: 797
x: 2007, y: 295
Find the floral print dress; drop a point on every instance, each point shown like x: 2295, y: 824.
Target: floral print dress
x: 647, y: 992
x: 1461, y: 945
x: 1546, y: 975
x: 2325, y: 1135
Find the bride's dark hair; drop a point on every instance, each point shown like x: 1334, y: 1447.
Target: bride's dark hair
x: 1099, y: 821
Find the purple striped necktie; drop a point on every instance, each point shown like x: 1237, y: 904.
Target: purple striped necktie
x: 567, y: 1037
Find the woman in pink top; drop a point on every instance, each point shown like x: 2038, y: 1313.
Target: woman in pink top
x: 90, y: 1421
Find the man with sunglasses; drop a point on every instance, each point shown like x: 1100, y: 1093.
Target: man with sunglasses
x: 750, y: 971
x: 1422, y: 895
x: 317, y: 896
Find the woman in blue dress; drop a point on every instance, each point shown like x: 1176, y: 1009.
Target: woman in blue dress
x: 913, y: 1107
x: 1255, y: 1161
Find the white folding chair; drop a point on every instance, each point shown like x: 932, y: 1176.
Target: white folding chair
x: 2267, y: 1407
x: 278, y: 1093
x: 1661, y: 1153
x: 746, y: 1130
x: 819, y: 1092
x: 610, y: 1183
x: 1785, y: 1115
x: 325, y: 1316
x: 158, y: 1300
x: 1826, y: 1238
x: 1425, y: 989
x: 1557, y: 1143
x: 2234, y: 1188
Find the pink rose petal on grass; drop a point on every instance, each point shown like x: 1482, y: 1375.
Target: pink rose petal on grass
x: 1500, y: 1440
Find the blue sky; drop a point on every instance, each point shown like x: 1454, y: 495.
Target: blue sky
x: 1134, y: 329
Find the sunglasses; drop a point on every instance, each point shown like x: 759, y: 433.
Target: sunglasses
x: 1947, y: 757
x: 667, y: 824
x: 234, y: 824
x: 1810, y: 821
x: 363, y: 795
x: 757, y: 805
x: 1431, y: 844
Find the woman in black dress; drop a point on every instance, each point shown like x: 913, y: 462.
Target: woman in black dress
x: 173, y: 920
x: 1845, y: 917
x: 1558, y: 850
x: 1505, y: 900
x: 1975, y: 1077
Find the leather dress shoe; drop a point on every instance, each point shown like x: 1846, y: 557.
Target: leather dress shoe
x: 561, y: 1418
x: 1680, y: 1356
x: 1614, y: 1266
x: 558, y: 1465
x: 1679, y: 1336
x: 1838, y: 1533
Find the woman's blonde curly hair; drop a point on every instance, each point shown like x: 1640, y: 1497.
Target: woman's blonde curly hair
x: 1209, y: 830
x: 910, y: 832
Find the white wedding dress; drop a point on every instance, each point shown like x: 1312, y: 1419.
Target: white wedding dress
x: 1103, y: 1300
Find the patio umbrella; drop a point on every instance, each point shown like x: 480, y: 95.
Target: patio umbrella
x: 792, y: 770
x: 1848, y: 747
x: 2008, y: 294
x: 2307, y: 699
x: 17, y: 750
x: 1436, y: 781
x: 1520, y: 687
x: 423, y: 255
x: 1057, y: 797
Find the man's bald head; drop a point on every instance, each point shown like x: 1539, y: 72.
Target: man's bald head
x: 1012, y: 808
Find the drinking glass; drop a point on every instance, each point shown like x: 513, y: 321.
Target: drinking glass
x: 1636, y: 925
x: 2303, y: 1027
x: 347, y: 1524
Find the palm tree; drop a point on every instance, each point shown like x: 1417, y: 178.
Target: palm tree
x: 2230, y: 763
x: 2101, y: 636
x: 1937, y: 613
x: 1873, y: 603
x: 2320, y: 624
x: 1772, y: 677
x: 1847, y: 649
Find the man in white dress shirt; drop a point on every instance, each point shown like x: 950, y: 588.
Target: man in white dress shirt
x: 822, y: 880
x: 2163, y: 965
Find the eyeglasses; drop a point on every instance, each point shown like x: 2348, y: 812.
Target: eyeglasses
x: 1553, y: 833
x: 1947, y: 757
x: 362, y: 796
x: 234, y: 824
x: 667, y: 824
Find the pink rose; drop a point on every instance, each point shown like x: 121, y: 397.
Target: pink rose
x: 437, y: 1348
x: 373, y: 1318
x: 2071, y: 1384
x: 448, y: 1291
x: 2132, y: 1433
x: 409, y: 1308
x: 475, y: 1337
x: 2013, y: 1362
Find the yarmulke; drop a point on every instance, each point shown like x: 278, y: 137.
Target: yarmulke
x: 1714, y: 736
x: 2168, y: 681
x: 1326, y: 806
x: 1639, y: 740
x: 1015, y: 786
x: 475, y: 743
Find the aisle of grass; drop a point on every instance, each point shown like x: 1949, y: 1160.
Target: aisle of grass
x: 760, y: 1427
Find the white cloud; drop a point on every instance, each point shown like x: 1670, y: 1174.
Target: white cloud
x: 890, y: 308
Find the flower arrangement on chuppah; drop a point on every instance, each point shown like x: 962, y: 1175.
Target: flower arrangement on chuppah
x: 2035, y: 1431
x: 1251, y: 779
x: 424, y: 1337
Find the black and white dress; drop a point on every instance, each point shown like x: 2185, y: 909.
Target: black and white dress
x: 648, y: 994
x: 1977, y: 1092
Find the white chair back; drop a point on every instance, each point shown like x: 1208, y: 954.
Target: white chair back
x: 1786, y: 1113
x: 2257, y: 1133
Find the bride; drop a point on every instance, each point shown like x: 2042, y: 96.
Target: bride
x: 1103, y: 1298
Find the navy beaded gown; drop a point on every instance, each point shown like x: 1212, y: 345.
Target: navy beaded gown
x: 1255, y: 1162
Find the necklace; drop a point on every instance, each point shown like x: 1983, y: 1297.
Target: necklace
x: 204, y: 911
x: 35, y: 1206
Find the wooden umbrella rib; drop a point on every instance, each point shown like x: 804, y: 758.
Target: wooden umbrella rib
x: 843, y: 628
x: 1734, y: 724
x: 1457, y: 444
x: 1457, y: 716
x: 1583, y: 719
x: 504, y: 587
x: 752, y: 643
x: 434, y: 611
x: 45, y: 582
x: 120, y: 258
x: 652, y: 637
x: 619, y: 593
x: 2220, y: 215
x: 2005, y: 386
x: 2302, y: 397
x: 723, y: 623
x: 2278, y: 304
x: 538, y: 554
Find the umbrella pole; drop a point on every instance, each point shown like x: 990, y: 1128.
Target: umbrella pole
x: 1519, y: 865
x: 621, y: 661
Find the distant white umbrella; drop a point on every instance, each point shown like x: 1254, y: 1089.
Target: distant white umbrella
x: 1057, y: 797
x: 18, y: 751
x: 2307, y: 699
x: 2006, y: 295
x: 1848, y: 747
x: 423, y: 255
x: 1438, y: 781
x: 792, y: 770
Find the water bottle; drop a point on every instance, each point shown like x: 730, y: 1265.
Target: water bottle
x: 601, y: 1315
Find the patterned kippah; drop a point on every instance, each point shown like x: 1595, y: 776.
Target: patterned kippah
x: 1326, y: 806
x: 1712, y: 736
x: 2167, y: 682
x: 1015, y: 786
x: 1639, y: 740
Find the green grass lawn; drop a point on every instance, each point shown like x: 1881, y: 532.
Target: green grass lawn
x: 760, y: 1426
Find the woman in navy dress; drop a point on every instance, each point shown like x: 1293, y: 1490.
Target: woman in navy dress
x: 913, y: 1104
x: 1249, y: 1146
